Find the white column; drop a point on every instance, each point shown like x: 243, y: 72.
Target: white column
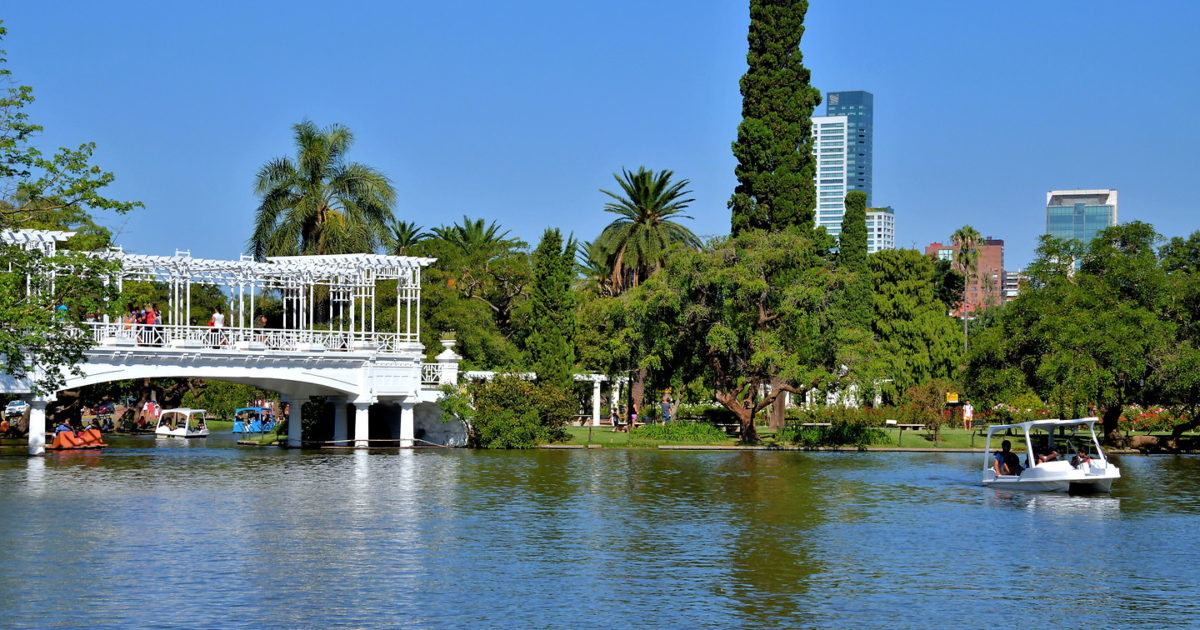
x: 407, y: 424
x: 361, y: 425
x: 37, y: 427
x: 293, y: 433
x: 339, y: 420
x: 595, y: 401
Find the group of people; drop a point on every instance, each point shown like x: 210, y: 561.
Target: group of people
x: 619, y: 414
x: 1006, y: 461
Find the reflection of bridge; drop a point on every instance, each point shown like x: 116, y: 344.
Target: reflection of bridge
x: 381, y: 375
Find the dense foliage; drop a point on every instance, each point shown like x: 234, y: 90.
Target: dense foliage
x: 550, y: 343
x: 1120, y: 330
x: 511, y: 412
x: 774, y: 143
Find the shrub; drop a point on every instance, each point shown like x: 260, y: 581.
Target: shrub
x: 848, y: 426
x: 510, y: 412
x: 677, y: 431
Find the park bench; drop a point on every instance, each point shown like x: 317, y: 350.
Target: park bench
x: 902, y: 427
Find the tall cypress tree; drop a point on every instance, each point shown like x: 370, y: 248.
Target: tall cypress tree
x: 852, y: 257
x: 774, y: 145
x: 551, y: 342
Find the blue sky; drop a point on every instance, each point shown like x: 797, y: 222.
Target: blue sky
x: 520, y: 111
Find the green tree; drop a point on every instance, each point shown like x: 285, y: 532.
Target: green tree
x: 774, y: 141
x: 1098, y: 336
x: 318, y: 203
x: 636, y: 244
x: 852, y: 258
x: 550, y: 344
x: 476, y: 289
x: 41, y: 295
x: 916, y: 335
x: 749, y: 310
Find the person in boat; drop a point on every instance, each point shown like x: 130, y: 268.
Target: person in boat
x: 62, y: 426
x: 1081, y: 457
x: 1047, y: 454
x: 1007, y: 462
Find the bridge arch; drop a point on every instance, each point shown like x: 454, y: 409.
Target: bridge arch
x: 288, y: 381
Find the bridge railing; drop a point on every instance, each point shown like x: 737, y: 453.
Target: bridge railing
x: 231, y: 338
x: 431, y: 373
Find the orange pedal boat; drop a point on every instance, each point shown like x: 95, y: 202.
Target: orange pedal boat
x: 72, y: 441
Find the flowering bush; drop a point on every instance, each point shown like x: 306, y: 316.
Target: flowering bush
x: 1147, y: 420
x: 1023, y: 408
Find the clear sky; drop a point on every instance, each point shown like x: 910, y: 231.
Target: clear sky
x: 519, y: 111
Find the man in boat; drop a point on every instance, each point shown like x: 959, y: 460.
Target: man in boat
x: 1007, y: 462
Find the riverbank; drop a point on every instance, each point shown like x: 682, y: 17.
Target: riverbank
x: 952, y: 440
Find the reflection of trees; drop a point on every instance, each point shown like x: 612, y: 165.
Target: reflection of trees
x: 776, y: 504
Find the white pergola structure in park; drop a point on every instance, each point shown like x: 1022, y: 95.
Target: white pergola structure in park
x: 346, y: 284
x: 380, y: 375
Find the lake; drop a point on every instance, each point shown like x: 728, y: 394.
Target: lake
x: 205, y: 534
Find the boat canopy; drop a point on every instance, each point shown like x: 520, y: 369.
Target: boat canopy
x: 1042, y: 424
x: 182, y: 410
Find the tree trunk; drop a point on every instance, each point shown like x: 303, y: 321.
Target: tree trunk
x: 778, y: 413
x: 749, y: 435
x: 1112, y: 431
x: 638, y: 392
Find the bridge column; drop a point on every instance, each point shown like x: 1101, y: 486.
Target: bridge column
x: 339, y: 420
x: 37, y: 427
x: 595, y: 401
x: 293, y: 433
x: 361, y: 424
x: 407, y: 423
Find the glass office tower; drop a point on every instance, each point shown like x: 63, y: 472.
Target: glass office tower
x: 1080, y: 214
x: 859, y: 109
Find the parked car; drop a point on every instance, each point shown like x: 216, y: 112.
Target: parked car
x: 16, y: 408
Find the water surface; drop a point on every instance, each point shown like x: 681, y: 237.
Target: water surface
x: 204, y: 534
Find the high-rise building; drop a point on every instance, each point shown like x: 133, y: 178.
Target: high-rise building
x: 1014, y: 283
x: 881, y: 229
x: 986, y: 288
x: 859, y: 109
x: 830, y: 149
x: 1080, y: 214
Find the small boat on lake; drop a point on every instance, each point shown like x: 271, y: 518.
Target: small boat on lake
x: 253, y: 420
x: 1060, y: 456
x: 89, y: 439
x: 182, y: 422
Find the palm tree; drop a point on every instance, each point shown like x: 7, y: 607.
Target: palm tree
x: 473, y: 237
x: 967, y: 239
x: 404, y: 235
x: 318, y: 203
x: 592, y: 266
x: 636, y: 244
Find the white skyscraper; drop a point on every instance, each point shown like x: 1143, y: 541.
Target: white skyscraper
x: 830, y: 147
x: 881, y: 229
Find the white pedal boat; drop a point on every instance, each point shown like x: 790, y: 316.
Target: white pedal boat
x: 1067, y: 471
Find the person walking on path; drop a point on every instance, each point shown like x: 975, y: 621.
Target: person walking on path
x: 968, y: 415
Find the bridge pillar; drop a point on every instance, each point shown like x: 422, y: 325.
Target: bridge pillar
x: 294, y: 431
x: 595, y: 401
x: 407, y: 423
x: 362, y: 424
x: 339, y: 420
x: 37, y: 427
